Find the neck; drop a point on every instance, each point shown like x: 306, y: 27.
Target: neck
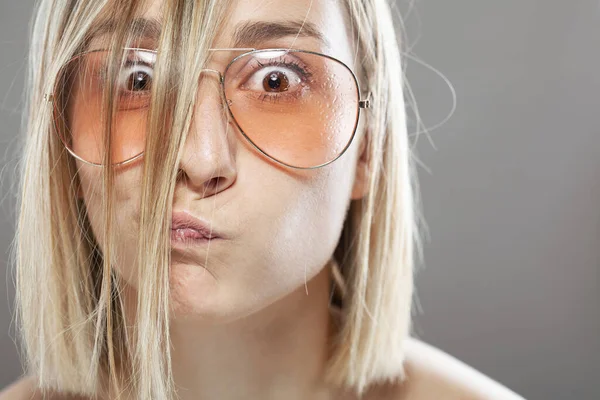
x: 277, y: 352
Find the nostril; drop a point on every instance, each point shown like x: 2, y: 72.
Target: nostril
x: 212, y: 184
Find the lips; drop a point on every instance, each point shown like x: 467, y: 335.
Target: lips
x: 186, y: 226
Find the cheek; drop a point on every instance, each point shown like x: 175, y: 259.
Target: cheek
x: 301, y: 225
x: 127, y: 193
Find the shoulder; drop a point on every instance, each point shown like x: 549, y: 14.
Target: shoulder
x: 434, y: 374
x: 24, y: 388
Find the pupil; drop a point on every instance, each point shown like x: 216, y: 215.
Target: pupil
x: 276, y: 81
x: 139, y: 81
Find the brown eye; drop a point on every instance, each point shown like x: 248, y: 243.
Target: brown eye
x: 138, y: 81
x: 136, y: 78
x: 276, y: 81
x: 135, y: 86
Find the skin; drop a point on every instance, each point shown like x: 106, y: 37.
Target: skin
x: 260, y: 296
x: 252, y: 320
x: 431, y: 375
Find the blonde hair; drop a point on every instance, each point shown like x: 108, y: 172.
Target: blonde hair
x: 69, y: 308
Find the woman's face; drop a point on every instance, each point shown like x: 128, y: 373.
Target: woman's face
x: 280, y: 225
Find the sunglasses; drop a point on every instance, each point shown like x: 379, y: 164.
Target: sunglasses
x: 299, y: 108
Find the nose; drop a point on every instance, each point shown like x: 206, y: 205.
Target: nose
x: 207, y: 164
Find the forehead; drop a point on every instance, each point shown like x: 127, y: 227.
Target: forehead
x: 316, y: 25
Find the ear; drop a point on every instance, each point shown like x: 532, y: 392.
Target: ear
x: 361, y: 177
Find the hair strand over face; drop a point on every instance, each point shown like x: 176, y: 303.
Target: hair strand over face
x: 74, y: 331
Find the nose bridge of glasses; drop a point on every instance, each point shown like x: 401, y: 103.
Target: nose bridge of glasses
x: 212, y: 71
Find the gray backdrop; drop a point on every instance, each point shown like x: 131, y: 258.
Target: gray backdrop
x: 512, y: 192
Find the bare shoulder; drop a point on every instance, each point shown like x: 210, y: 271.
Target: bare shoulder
x: 433, y: 374
x: 26, y: 388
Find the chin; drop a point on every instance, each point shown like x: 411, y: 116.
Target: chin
x: 196, y: 294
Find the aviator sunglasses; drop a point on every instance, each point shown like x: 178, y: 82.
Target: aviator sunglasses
x: 299, y: 108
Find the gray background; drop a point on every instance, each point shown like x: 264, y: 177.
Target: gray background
x: 511, y: 192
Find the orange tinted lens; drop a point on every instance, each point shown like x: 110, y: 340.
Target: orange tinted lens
x: 299, y: 108
x: 80, y: 112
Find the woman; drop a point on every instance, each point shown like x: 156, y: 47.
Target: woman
x: 216, y: 204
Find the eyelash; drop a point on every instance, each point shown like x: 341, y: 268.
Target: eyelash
x: 136, y: 64
x: 303, y: 71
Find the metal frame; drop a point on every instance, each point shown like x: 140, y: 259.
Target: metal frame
x: 362, y: 104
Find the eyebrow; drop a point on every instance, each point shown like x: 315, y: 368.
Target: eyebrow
x: 251, y: 33
x: 146, y: 28
x: 246, y: 33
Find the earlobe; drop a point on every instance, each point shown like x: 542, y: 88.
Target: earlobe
x: 361, y: 178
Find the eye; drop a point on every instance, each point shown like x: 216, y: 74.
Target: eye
x: 136, y: 77
x: 274, y: 79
